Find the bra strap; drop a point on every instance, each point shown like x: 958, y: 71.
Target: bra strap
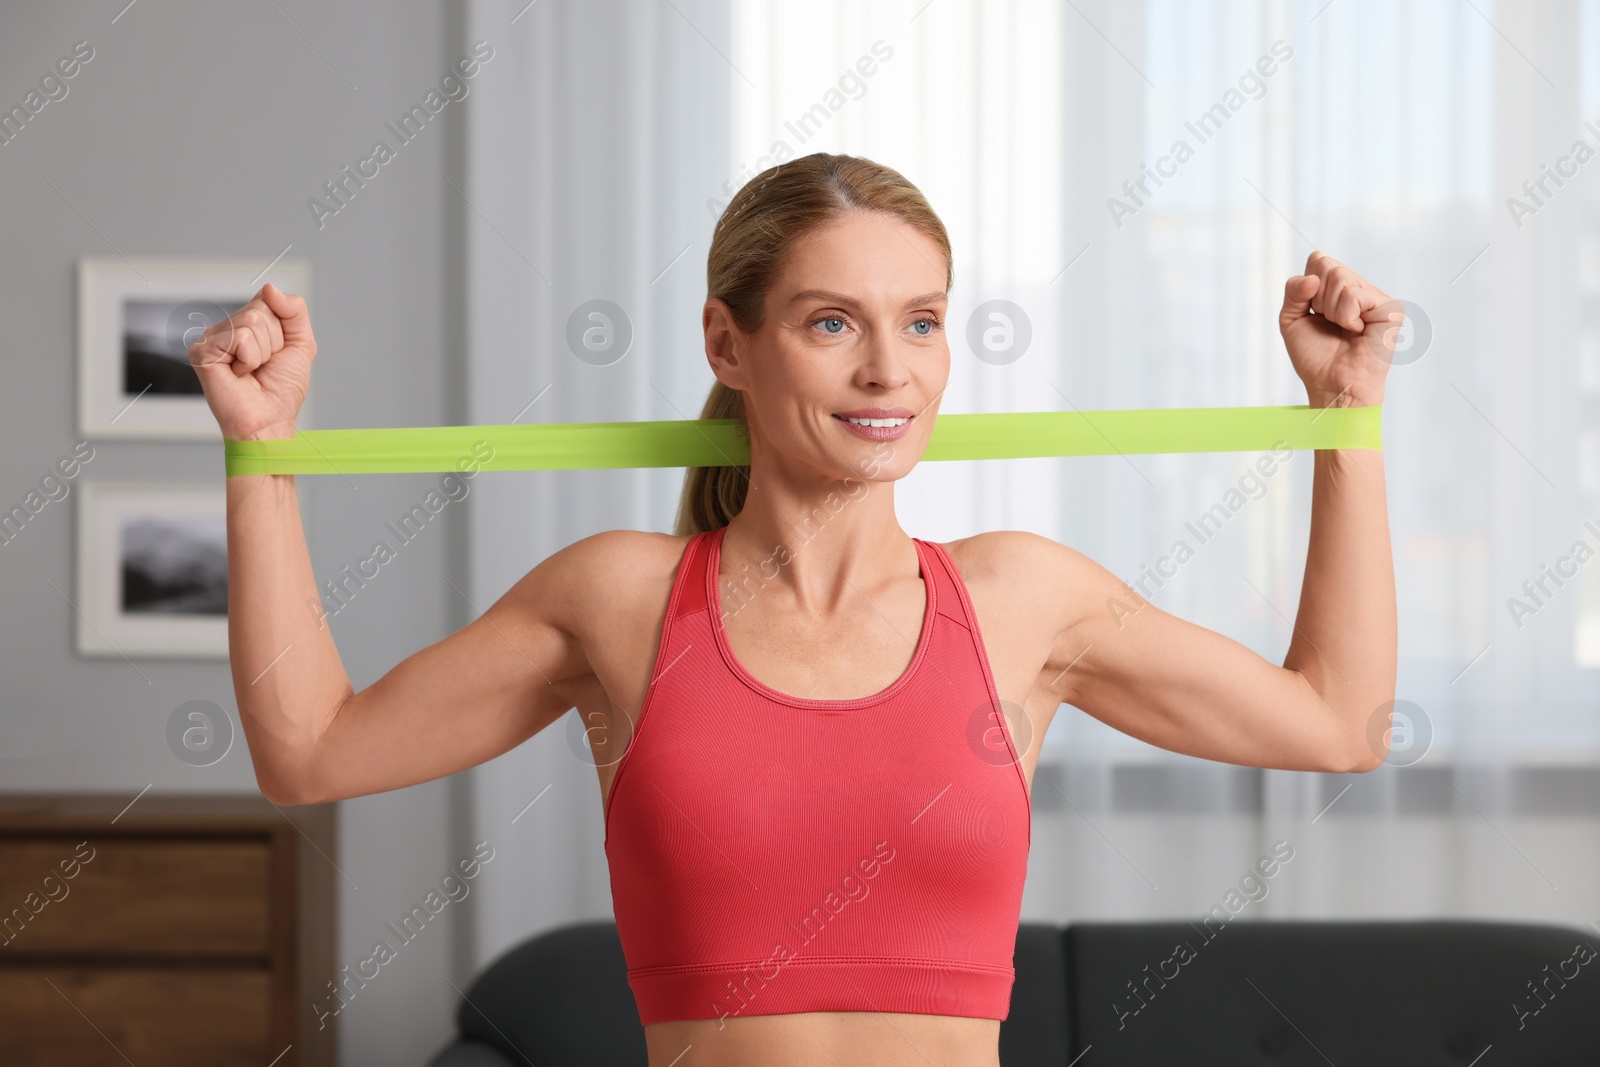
x: 952, y: 605
x: 690, y: 585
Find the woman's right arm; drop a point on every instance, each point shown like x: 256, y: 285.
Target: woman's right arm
x: 455, y: 704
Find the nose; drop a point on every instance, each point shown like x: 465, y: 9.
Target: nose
x: 883, y: 365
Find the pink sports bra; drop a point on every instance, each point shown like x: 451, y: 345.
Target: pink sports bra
x: 773, y: 854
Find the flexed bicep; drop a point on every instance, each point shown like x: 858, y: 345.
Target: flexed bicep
x: 1182, y: 687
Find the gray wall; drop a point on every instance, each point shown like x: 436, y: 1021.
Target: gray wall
x: 202, y: 129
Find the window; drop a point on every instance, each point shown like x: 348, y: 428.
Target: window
x: 1388, y: 135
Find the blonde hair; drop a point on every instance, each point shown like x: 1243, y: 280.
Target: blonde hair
x: 755, y: 232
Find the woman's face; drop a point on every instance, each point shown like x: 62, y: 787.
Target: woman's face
x: 854, y: 329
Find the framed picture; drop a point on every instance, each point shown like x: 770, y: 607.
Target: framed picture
x: 152, y: 569
x: 136, y: 321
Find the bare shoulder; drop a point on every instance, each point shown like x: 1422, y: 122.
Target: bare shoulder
x: 595, y: 576
x: 1028, y: 572
x: 1014, y: 559
x: 629, y: 555
x: 614, y: 597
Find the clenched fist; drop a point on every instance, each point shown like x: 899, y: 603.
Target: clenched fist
x: 1340, y: 331
x: 255, y: 366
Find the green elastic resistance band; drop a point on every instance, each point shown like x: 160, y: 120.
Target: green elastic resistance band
x: 717, y: 442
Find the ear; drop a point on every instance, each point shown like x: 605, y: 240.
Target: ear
x: 726, y: 344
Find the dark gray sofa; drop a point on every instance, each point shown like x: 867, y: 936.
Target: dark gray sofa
x: 1418, y: 993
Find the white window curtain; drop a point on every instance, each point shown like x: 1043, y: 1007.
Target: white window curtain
x: 1390, y: 136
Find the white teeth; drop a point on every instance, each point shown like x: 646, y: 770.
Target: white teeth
x: 877, y: 422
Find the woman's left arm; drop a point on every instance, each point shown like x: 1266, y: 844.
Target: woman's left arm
x: 1340, y: 332
x: 1188, y: 689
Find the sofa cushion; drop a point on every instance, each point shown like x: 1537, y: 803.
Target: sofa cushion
x: 460, y: 1053
x: 1373, y: 993
x: 1034, y: 1032
x: 560, y: 997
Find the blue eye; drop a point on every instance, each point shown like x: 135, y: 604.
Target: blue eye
x: 832, y: 318
x: 932, y: 324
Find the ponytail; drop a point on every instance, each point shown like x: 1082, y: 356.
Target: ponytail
x: 712, y: 496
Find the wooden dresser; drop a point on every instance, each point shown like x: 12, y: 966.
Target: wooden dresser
x: 176, y: 930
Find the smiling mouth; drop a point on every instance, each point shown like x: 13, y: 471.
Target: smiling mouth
x: 873, y: 422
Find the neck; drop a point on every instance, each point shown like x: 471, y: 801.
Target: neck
x: 825, y: 540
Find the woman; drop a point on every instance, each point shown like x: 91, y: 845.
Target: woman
x: 818, y: 849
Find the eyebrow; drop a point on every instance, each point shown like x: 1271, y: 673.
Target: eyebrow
x: 845, y: 301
